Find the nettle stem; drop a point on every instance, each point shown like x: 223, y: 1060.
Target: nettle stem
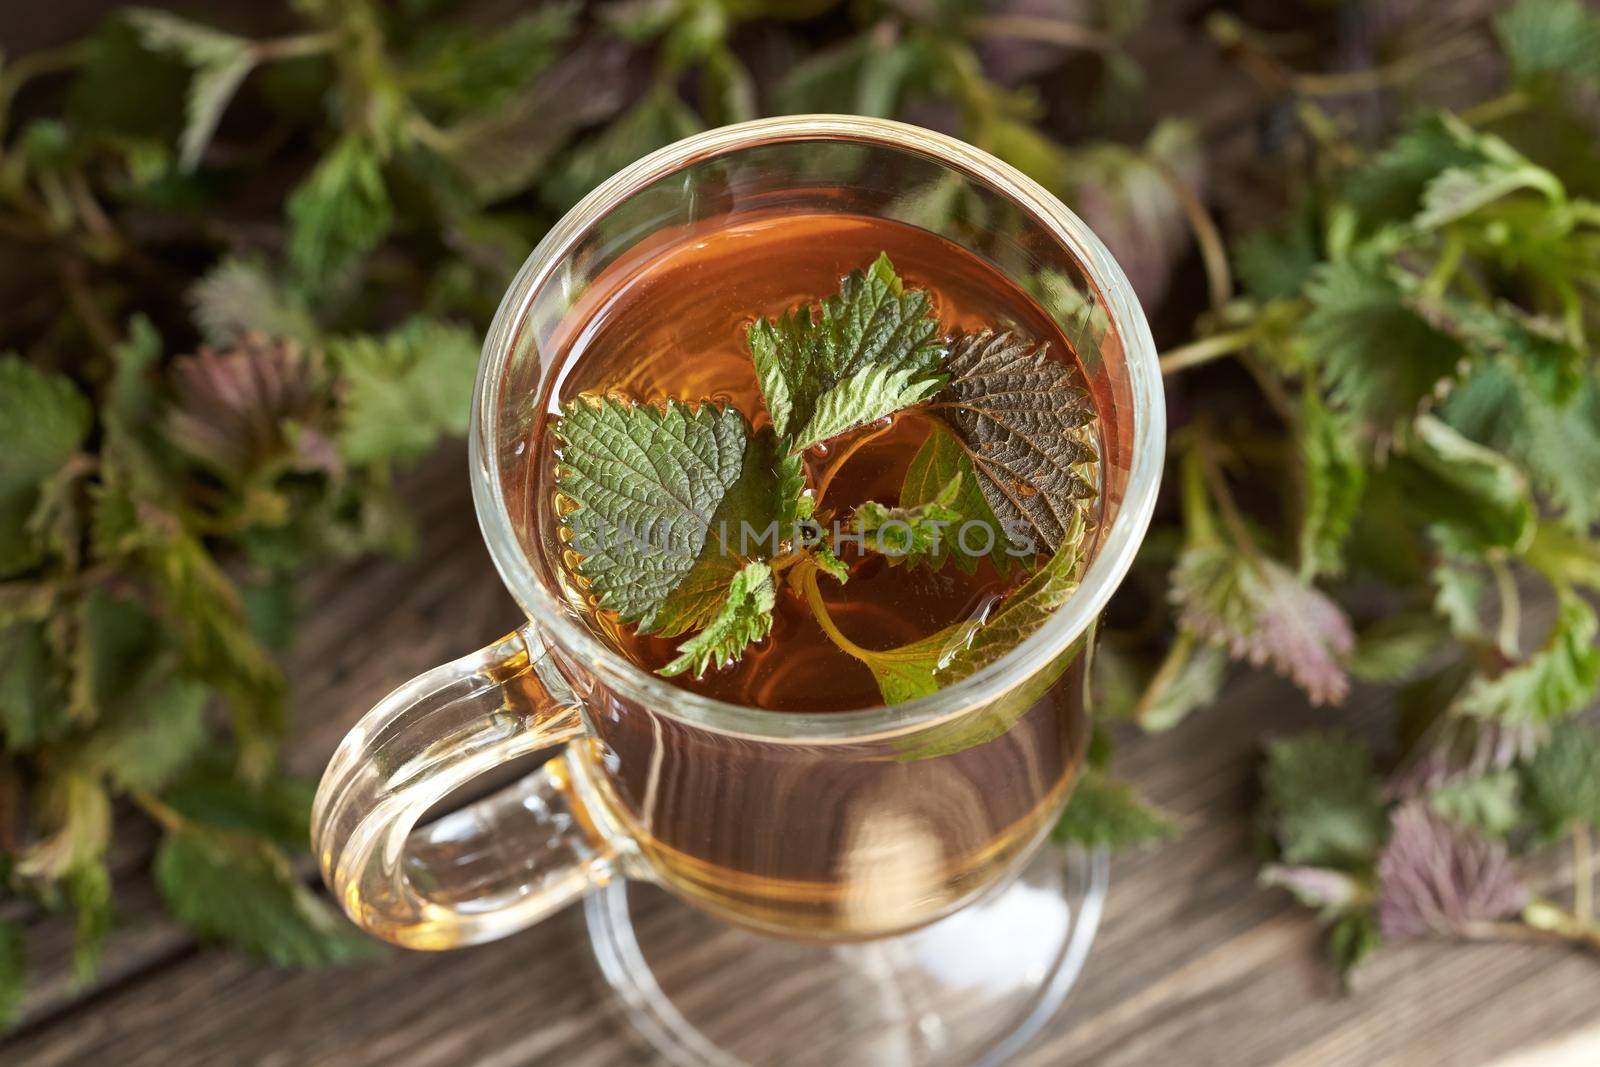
x: 819, y: 609
x: 1206, y: 349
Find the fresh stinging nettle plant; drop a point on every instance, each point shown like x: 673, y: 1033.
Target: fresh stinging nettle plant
x: 1414, y: 337
x: 223, y: 341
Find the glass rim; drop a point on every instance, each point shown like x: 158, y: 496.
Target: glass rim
x: 548, y: 609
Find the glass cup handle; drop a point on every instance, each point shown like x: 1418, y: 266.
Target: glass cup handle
x: 501, y: 863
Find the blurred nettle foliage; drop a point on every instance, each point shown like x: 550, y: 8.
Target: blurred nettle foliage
x: 246, y: 275
x: 246, y: 272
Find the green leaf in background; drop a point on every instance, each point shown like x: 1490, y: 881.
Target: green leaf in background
x: 243, y: 892
x: 1546, y: 39
x: 219, y: 62
x: 405, y: 390
x: 240, y: 296
x: 1395, y: 649
x: 1558, y: 679
x: 1262, y: 613
x: 1106, y: 813
x: 1324, y: 800
x: 43, y: 421
x: 339, y: 214
x: 88, y: 892
x: 655, y: 121
x: 151, y: 717
x: 1334, y: 478
x: 1488, y: 803
x: 1478, y: 500
x: 1189, y: 677
x: 33, y: 698
x: 1563, y: 779
x: 1378, y: 357
x: 277, y: 809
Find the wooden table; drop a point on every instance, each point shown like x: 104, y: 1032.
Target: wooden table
x: 1194, y: 965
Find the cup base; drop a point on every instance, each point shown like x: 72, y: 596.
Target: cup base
x: 970, y: 990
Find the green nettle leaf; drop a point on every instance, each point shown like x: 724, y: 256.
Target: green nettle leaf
x: 1488, y: 803
x: 657, y: 120
x: 244, y: 892
x: 908, y: 672
x: 239, y: 296
x: 1275, y: 263
x: 1106, y: 813
x: 1190, y: 677
x: 210, y: 792
x: 339, y: 213
x: 672, y: 503
x: 33, y: 698
x: 1556, y: 442
x: 940, y: 462
x: 1353, y: 938
x: 150, y: 719
x: 1461, y: 191
x: 405, y: 390
x: 1378, y: 356
x: 1389, y: 187
x: 1545, y: 39
x: 1022, y: 418
x: 1325, y: 800
x: 13, y: 970
x: 1335, y: 479
x: 910, y: 533
x: 1476, y: 500
x: 1396, y: 649
x: 864, y: 397
x: 1025, y: 610
x: 88, y: 891
x: 1563, y: 779
x: 44, y: 420
x: 1557, y: 680
x: 219, y: 60
x: 1461, y: 591
x: 1261, y: 612
x: 473, y: 71
x: 923, y: 667
x: 854, y: 358
x: 745, y: 618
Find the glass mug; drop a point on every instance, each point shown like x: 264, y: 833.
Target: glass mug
x: 893, y: 850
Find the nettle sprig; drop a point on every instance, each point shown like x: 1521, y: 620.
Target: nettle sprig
x: 685, y: 519
x: 1421, y: 328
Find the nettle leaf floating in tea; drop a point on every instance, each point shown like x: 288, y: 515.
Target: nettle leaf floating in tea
x: 653, y: 487
x: 1022, y: 420
x: 746, y: 617
x: 868, y: 352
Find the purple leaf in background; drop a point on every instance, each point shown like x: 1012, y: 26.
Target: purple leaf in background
x: 1127, y: 197
x: 260, y: 403
x: 1263, y: 613
x: 1436, y: 880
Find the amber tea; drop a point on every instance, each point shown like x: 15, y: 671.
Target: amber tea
x: 817, y: 463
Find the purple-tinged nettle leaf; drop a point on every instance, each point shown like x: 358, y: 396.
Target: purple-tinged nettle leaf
x: 1435, y: 880
x: 1263, y: 613
x: 262, y: 404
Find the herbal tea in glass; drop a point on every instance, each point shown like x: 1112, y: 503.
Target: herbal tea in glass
x: 824, y: 462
